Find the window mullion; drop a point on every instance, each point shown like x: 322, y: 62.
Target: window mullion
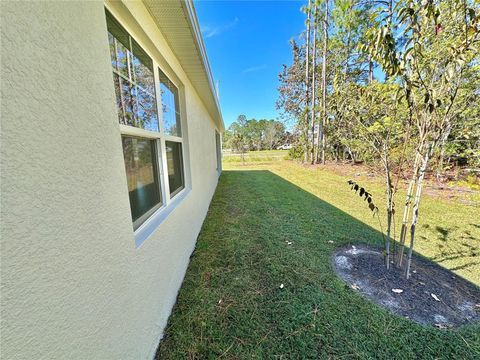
x: 161, y: 170
x: 122, y: 101
x: 131, y: 82
x: 116, y: 52
x: 129, y: 63
x: 158, y: 97
x: 161, y: 143
x: 165, y: 183
x: 120, y: 89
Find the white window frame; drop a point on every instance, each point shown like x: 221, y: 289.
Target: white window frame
x: 218, y: 151
x: 168, y: 201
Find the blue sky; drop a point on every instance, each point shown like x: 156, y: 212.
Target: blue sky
x: 247, y: 42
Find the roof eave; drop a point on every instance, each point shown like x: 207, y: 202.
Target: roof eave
x: 192, y: 16
x: 184, y: 38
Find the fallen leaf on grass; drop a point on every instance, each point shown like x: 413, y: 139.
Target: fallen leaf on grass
x: 435, y: 297
x: 442, y: 326
x: 397, y: 291
x: 330, y: 241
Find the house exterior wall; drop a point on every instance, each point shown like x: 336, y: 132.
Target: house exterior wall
x: 73, y: 283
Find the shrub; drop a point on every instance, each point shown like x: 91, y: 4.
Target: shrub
x: 296, y: 152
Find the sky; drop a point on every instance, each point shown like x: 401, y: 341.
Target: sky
x: 247, y: 42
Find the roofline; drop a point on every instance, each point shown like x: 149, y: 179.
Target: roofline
x: 192, y: 17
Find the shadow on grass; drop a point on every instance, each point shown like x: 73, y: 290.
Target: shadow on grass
x: 260, y: 284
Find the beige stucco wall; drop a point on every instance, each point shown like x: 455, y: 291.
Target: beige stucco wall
x: 73, y: 285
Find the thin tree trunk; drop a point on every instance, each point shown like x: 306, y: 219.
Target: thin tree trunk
x: 390, y: 13
x: 370, y: 70
x: 415, y: 209
x: 347, y: 56
x: 314, y: 84
x: 307, y: 81
x: 324, y: 80
x: 389, y: 24
x: 319, y: 137
x: 406, y: 209
x: 352, y: 157
x: 389, y: 213
x: 370, y: 62
x: 442, y: 153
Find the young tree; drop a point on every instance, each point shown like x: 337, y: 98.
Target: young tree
x: 239, y: 140
x: 376, y: 116
x: 440, y: 42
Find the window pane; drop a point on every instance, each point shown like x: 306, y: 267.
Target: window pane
x: 147, y: 110
x: 117, y: 30
x: 175, y: 166
x: 168, y: 97
x: 142, y: 176
x: 170, y: 106
x: 122, y: 63
x: 143, y: 76
x: 113, y: 54
x: 128, y: 102
x: 133, y: 79
x: 142, y: 68
x: 118, y: 96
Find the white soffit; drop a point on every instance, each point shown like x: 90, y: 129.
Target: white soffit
x: 177, y: 21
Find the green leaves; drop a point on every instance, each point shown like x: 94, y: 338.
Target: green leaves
x: 471, y: 14
x: 365, y: 194
x: 450, y: 73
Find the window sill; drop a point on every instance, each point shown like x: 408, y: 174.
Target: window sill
x: 154, y: 221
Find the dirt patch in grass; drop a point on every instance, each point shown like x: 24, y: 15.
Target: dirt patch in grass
x: 432, y: 296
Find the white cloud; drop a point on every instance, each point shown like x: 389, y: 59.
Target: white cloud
x: 209, y: 31
x: 254, y: 68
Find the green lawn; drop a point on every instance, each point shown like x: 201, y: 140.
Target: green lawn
x: 231, y: 304
x: 258, y: 157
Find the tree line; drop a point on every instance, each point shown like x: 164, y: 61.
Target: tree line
x: 392, y: 83
x: 251, y: 134
x: 334, y: 55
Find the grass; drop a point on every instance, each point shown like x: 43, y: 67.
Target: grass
x: 231, y: 305
x: 264, y: 156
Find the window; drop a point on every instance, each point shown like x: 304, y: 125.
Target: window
x: 149, y: 116
x: 133, y: 78
x: 140, y: 157
x: 175, y: 166
x: 170, y: 110
x: 218, y: 148
x: 172, y: 128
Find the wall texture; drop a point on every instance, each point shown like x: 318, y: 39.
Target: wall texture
x: 73, y: 285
